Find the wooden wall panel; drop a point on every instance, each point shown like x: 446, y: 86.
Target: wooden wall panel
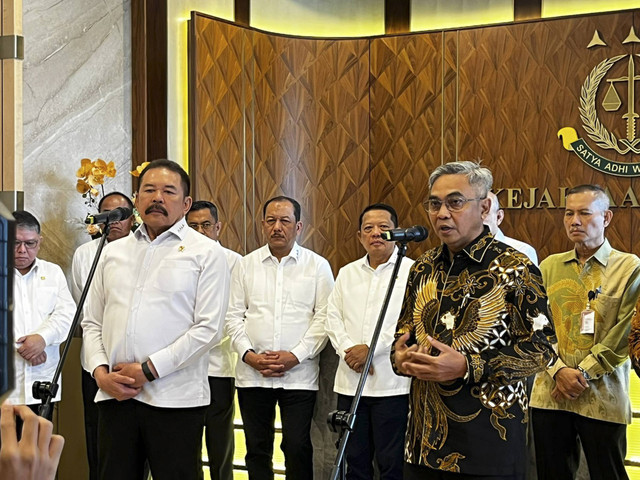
x: 339, y: 124
x: 635, y: 183
x: 450, y: 97
x: 218, y: 159
x: 310, y: 135
x: 275, y: 115
x: 406, y: 123
x: 519, y: 85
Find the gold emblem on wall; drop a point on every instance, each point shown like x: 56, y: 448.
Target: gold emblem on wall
x: 593, y: 126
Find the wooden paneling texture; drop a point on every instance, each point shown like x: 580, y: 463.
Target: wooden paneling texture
x: 277, y: 115
x: 339, y: 124
x: 406, y: 121
x: 518, y: 86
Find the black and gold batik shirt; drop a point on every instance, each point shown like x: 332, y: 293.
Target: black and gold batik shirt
x: 489, y: 304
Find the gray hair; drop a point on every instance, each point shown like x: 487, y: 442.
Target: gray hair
x: 480, y: 178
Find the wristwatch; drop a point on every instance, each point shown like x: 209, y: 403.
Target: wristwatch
x: 584, y: 374
x: 147, y: 372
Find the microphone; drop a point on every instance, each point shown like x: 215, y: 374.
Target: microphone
x: 110, y: 216
x: 417, y: 233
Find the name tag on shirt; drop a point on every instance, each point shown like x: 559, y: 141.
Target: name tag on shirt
x: 587, y: 322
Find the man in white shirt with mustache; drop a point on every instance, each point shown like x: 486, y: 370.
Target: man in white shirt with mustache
x: 276, y: 318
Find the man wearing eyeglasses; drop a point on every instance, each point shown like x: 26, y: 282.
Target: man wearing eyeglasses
x: 474, y: 324
x: 582, y: 400
x: 219, y: 438
x: 43, y: 312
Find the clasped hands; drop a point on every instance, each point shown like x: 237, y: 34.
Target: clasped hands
x: 32, y: 349
x: 570, y: 383
x: 125, y: 380
x: 356, y: 357
x: 271, y: 363
x: 417, y: 362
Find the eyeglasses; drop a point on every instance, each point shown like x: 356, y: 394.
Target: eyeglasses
x: 206, y: 226
x: 454, y: 203
x: 29, y: 244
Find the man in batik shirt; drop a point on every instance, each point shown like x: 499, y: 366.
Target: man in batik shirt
x: 473, y: 326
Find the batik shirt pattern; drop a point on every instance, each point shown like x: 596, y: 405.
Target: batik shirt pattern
x: 488, y: 303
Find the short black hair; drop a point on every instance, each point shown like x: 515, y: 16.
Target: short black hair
x: 111, y: 194
x: 201, y: 205
x: 282, y: 198
x: 169, y: 165
x: 26, y: 220
x: 380, y: 206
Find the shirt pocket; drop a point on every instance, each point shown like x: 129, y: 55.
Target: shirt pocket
x: 607, y: 309
x: 176, y: 276
x: 47, y: 296
x: 302, y: 293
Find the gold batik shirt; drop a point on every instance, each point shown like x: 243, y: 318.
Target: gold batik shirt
x: 602, y: 354
x: 488, y: 303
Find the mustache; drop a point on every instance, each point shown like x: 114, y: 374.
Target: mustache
x: 156, y: 208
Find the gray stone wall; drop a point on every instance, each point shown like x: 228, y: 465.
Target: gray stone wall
x: 77, y: 103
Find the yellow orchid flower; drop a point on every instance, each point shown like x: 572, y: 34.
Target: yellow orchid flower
x: 93, y: 229
x: 110, y: 170
x: 94, y: 179
x: 82, y: 186
x: 85, y: 168
x: 139, y: 169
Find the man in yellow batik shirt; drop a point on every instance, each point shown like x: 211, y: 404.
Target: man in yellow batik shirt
x: 592, y: 290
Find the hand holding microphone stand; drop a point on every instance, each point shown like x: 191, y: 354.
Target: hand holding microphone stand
x: 46, y: 391
x: 342, y: 421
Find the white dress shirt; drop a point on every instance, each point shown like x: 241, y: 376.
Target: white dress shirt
x: 280, y: 306
x: 163, y: 300
x: 522, y: 247
x: 80, y: 267
x: 42, y: 305
x: 222, y: 358
x: 352, y: 313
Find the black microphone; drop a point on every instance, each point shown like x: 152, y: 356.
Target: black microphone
x: 110, y: 216
x: 417, y: 233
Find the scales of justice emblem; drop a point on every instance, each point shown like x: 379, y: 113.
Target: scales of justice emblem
x: 611, y: 102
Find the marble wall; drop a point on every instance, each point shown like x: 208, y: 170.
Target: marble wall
x: 77, y: 103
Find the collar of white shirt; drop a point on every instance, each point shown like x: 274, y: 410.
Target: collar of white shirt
x: 179, y: 229
x: 293, y: 254
x: 34, y: 268
x: 392, y: 260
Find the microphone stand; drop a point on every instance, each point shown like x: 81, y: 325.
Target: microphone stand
x: 340, y: 420
x: 46, y: 391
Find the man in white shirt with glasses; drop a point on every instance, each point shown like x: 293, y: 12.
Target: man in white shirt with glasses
x: 43, y: 313
x: 218, y: 434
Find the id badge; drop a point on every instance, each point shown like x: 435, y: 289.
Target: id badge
x: 587, y: 321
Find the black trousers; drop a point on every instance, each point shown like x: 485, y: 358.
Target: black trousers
x: 381, y: 423
x: 419, y: 472
x: 258, y: 410
x: 219, y: 428
x: 558, y: 435
x: 131, y: 432
x: 89, y: 391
